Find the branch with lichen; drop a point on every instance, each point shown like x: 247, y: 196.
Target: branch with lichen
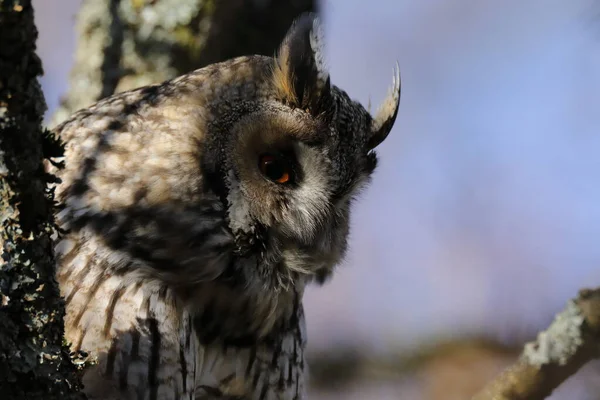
x: 572, y: 340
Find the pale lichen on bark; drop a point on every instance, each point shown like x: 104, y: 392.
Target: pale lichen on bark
x: 127, y: 44
x: 560, y: 341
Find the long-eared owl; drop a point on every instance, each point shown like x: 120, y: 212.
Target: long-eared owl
x: 194, y: 212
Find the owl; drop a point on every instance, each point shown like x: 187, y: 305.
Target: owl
x: 195, y: 212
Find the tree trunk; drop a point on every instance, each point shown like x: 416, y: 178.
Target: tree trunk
x: 133, y: 43
x: 34, y: 361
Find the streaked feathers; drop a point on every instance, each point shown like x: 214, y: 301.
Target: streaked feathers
x: 182, y: 267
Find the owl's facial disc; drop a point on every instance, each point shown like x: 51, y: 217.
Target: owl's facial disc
x: 298, y: 157
x: 290, y: 183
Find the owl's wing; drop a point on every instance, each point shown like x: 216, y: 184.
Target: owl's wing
x: 140, y: 224
x: 132, y: 326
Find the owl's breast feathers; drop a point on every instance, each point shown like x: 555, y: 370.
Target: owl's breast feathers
x: 151, y: 343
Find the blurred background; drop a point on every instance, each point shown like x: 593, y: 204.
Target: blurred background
x: 483, y: 218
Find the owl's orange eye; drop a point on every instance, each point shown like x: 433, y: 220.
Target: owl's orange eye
x: 275, y: 168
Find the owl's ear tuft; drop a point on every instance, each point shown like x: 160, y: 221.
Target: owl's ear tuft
x: 386, y: 115
x: 300, y: 75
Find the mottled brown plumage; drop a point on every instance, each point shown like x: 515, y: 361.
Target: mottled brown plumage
x: 195, y: 213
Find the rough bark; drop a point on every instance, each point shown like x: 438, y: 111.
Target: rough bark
x: 34, y: 361
x: 127, y: 44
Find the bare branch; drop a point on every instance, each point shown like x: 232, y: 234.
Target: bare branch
x: 560, y: 351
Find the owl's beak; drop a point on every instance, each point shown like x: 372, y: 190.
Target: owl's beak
x: 386, y: 115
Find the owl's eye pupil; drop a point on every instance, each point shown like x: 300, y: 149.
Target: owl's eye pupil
x: 274, y: 168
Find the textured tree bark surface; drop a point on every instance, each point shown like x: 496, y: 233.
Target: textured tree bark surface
x: 128, y: 44
x: 34, y: 362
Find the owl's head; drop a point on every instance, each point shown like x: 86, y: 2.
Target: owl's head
x: 289, y: 164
